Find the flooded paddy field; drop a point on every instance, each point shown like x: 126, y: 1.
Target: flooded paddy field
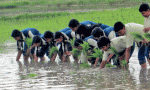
x: 28, y: 75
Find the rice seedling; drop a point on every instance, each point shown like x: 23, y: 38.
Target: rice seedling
x: 147, y: 36
x: 84, y: 65
x: 114, y: 51
x: 53, y: 50
x: 76, y: 52
x: 72, y: 42
x: 85, y: 47
x: 28, y: 42
x: 124, y: 64
x: 31, y: 75
x: 137, y: 36
x: 97, y: 53
x: 109, y: 65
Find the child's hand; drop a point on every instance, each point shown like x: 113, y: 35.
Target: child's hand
x: 146, y: 29
x: 94, y: 66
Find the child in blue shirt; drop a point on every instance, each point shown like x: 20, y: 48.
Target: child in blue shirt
x: 20, y: 37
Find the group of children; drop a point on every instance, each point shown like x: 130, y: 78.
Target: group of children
x: 99, y: 36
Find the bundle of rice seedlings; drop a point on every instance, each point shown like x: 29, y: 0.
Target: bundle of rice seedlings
x: 147, y: 36
x: 97, y: 53
x: 76, y: 52
x: 124, y: 64
x: 28, y: 42
x: 84, y: 65
x: 109, y: 65
x: 137, y: 36
x: 53, y: 50
x: 85, y: 47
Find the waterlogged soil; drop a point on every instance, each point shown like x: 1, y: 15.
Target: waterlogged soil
x: 67, y: 76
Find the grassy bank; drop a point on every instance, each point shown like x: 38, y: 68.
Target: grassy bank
x: 57, y: 21
x: 65, y: 2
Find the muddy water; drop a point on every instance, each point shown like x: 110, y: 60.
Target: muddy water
x: 66, y: 76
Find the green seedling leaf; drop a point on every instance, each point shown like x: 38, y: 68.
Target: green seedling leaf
x: 147, y: 36
x: 85, y: 47
x: 114, y: 51
x: 124, y: 64
x: 137, y: 36
x: 97, y: 53
x: 72, y: 42
x: 76, y: 52
x: 53, y: 50
x: 28, y: 42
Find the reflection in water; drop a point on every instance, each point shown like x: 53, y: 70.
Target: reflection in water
x: 68, y: 76
x: 144, y: 78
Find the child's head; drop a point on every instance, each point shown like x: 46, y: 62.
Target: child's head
x: 77, y: 43
x: 16, y: 34
x: 59, y: 37
x: 81, y: 30
x: 48, y: 35
x: 119, y: 28
x: 145, y: 10
x: 36, y: 41
x: 103, y: 43
x: 73, y: 24
x: 97, y: 32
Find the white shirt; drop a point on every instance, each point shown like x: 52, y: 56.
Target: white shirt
x: 92, y: 42
x: 112, y: 35
x: 147, y: 23
x: 132, y: 27
x: 73, y: 35
x: 119, y: 43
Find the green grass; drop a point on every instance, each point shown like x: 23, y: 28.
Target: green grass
x: 56, y: 21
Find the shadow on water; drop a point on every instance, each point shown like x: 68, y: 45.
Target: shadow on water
x: 68, y: 76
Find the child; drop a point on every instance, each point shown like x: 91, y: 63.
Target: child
x: 20, y: 37
x: 145, y: 11
x: 97, y: 32
x: 118, y: 43
x: 48, y: 36
x: 41, y: 47
x: 77, y: 44
x: 63, y: 45
x: 74, y: 24
x: 126, y: 30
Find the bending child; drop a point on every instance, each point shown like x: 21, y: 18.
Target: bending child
x: 63, y: 45
x: 20, y: 37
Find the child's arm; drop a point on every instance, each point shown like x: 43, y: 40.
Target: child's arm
x: 103, y: 63
x: 96, y: 62
x: 53, y: 57
x: 127, y: 54
x: 19, y: 55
